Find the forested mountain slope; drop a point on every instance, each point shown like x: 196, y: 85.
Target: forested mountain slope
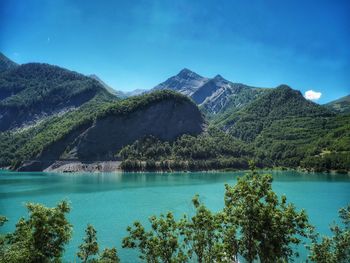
x: 34, y: 91
x: 279, y: 128
x: 278, y: 104
x: 97, y: 131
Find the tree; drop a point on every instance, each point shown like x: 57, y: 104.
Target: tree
x: 41, y: 238
x: 268, y: 226
x: 90, y: 246
x: 202, y: 233
x: 160, y: 244
x: 335, y: 249
x: 109, y: 255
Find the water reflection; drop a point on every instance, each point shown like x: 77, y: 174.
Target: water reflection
x: 34, y: 184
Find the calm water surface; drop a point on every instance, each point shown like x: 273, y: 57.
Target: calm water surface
x: 112, y: 201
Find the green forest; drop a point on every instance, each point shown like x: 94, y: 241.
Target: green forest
x: 290, y: 143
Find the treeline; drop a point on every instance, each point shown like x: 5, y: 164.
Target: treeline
x: 211, y: 150
x: 29, y: 84
x: 217, y: 150
x: 255, y: 225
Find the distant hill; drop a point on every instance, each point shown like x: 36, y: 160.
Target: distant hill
x: 33, y: 91
x: 135, y: 92
x: 6, y: 63
x: 341, y: 105
x: 280, y: 103
x: 118, y: 93
x: 284, y: 129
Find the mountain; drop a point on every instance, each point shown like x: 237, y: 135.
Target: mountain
x: 280, y: 103
x: 98, y: 131
x: 219, y: 95
x: 208, y: 88
x: 284, y: 129
x: 78, y: 120
x: 6, y: 63
x: 214, y: 95
x: 341, y: 105
x: 34, y: 91
x: 185, y: 82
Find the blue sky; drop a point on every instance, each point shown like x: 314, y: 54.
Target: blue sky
x: 137, y: 44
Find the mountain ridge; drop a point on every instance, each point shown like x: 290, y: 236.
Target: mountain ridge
x: 75, y: 117
x: 34, y: 91
x: 213, y: 95
x: 185, y: 82
x: 6, y: 63
x: 341, y: 105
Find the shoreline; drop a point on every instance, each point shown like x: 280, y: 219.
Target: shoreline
x: 77, y: 166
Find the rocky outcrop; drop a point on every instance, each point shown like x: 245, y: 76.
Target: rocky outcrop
x: 79, y: 166
x: 165, y: 120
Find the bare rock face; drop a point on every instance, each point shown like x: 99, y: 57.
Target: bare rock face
x: 165, y: 120
x: 185, y: 82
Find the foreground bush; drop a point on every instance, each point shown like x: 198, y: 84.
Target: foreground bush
x: 254, y: 224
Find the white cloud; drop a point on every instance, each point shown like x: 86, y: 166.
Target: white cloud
x: 312, y: 95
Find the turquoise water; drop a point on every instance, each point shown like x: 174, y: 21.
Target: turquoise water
x: 113, y: 201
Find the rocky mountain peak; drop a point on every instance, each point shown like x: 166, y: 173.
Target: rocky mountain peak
x: 188, y: 74
x: 219, y: 77
x: 185, y: 82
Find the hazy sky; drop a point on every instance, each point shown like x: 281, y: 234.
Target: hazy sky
x: 137, y: 44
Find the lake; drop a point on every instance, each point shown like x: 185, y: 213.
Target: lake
x: 112, y: 201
